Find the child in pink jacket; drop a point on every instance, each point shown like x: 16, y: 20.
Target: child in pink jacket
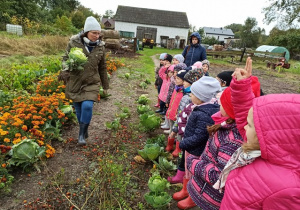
x: 165, y: 72
x: 265, y: 172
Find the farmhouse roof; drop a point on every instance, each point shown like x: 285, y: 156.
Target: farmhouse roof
x: 152, y: 17
x: 111, y: 21
x: 218, y: 31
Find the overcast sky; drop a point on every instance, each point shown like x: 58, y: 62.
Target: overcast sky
x: 208, y: 13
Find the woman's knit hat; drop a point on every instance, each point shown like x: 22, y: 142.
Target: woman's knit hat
x: 91, y: 24
x: 162, y: 56
x: 226, y: 96
x: 206, y: 62
x: 205, y: 88
x: 192, y: 76
x: 225, y: 77
x: 179, y: 57
x: 168, y: 57
x: 179, y: 66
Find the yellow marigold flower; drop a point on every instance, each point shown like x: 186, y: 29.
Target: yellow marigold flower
x: 3, y: 133
x: 7, y: 140
x: 16, y: 141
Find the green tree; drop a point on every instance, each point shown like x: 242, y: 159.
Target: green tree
x: 286, y: 12
x: 78, y: 19
x: 250, y: 33
x: 289, y: 39
x: 65, y: 25
x: 109, y: 14
x: 236, y: 29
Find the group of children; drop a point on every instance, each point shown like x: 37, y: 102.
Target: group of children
x: 211, y: 122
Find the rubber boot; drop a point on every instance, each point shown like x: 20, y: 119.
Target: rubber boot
x: 158, y: 101
x: 166, y: 126
x: 187, y: 203
x: 170, y: 144
x: 178, y: 178
x: 82, y: 132
x: 183, y: 193
x: 86, y: 135
x: 177, y: 150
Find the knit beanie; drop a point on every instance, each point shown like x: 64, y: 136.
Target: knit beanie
x: 197, y: 65
x: 206, y: 62
x: 225, y: 76
x: 179, y: 57
x: 91, y: 24
x: 181, y: 74
x: 171, y: 68
x: 162, y: 56
x: 179, y: 66
x: 226, y: 96
x: 205, y: 88
x: 192, y: 76
x: 168, y: 57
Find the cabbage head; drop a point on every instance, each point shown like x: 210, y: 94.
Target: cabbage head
x: 76, y: 59
x: 158, y: 184
x: 149, y: 122
x: 66, y: 109
x: 26, y: 152
x: 150, y: 151
x: 143, y: 99
x: 141, y: 109
x: 158, y: 199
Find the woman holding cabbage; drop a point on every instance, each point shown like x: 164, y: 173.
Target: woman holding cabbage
x: 84, y: 69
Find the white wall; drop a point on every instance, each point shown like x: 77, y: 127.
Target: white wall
x: 161, y: 30
x: 221, y: 37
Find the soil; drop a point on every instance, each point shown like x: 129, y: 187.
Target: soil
x: 74, y: 161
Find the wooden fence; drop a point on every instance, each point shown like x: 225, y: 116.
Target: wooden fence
x: 244, y: 53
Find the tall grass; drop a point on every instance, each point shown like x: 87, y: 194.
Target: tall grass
x: 28, y: 46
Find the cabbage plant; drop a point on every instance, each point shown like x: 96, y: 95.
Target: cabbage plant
x: 158, y: 184
x: 149, y: 122
x: 143, y: 99
x: 151, y: 151
x: 158, y: 199
x: 26, y: 152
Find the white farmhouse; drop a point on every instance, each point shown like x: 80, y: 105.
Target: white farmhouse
x: 163, y: 25
x: 219, y: 33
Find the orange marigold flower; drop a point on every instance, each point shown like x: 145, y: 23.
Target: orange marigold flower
x: 7, y: 140
x: 18, y: 135
x: 24, y: 127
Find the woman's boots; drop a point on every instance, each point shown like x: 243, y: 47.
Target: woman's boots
x: 82, y: 133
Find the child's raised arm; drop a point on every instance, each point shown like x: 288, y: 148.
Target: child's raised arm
x: 242, y: 95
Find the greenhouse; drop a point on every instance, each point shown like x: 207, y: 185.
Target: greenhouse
x: 274, y: 49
